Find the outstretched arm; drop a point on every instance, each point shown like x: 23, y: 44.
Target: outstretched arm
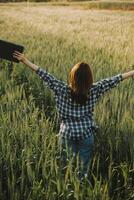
x: 106, y: 84
x: 128, y: 74
x: 50, y: 80
x: 24, y: 60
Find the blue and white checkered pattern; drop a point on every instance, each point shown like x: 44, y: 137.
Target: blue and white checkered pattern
x: 76, y: 121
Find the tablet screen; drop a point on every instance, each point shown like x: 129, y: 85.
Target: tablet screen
x: 7, y: 49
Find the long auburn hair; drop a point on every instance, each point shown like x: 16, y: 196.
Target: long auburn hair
x: 80, y: 80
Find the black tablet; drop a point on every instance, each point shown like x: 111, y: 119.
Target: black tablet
x: 7, y: 49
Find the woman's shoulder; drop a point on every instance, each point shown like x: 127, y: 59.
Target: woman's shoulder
x: 63, y: 87
x: 94, y: 85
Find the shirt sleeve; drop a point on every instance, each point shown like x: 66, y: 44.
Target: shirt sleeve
x: 107, y: 84
x: 50, y: 81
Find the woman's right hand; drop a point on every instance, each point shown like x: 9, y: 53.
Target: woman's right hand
x: 128, y: 74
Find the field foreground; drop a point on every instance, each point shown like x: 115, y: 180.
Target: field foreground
x: 56, y: 38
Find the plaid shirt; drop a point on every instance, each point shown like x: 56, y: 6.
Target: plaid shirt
x: 76, y: 121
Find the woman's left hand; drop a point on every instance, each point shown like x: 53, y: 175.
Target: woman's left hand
x: 19, y: 56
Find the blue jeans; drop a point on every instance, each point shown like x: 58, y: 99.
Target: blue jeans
x: 82, y: 148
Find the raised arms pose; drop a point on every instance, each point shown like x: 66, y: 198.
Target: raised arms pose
x: 34, y: 67
x: 76, y: 113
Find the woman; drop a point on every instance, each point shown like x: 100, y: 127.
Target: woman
x: 75, y: 103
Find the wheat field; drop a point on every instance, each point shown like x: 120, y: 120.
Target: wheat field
x: 55, y: 38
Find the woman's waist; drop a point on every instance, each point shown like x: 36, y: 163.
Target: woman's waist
x: 65, y: 119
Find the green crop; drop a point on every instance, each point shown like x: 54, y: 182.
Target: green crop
x: 56, y: 38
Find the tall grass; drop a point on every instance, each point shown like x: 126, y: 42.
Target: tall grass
x: 101, y: 4
x: 55, y: 39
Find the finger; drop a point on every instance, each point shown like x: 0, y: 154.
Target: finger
x: 18, y: 58
x: 15, y: 57
x: 17, y: 52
